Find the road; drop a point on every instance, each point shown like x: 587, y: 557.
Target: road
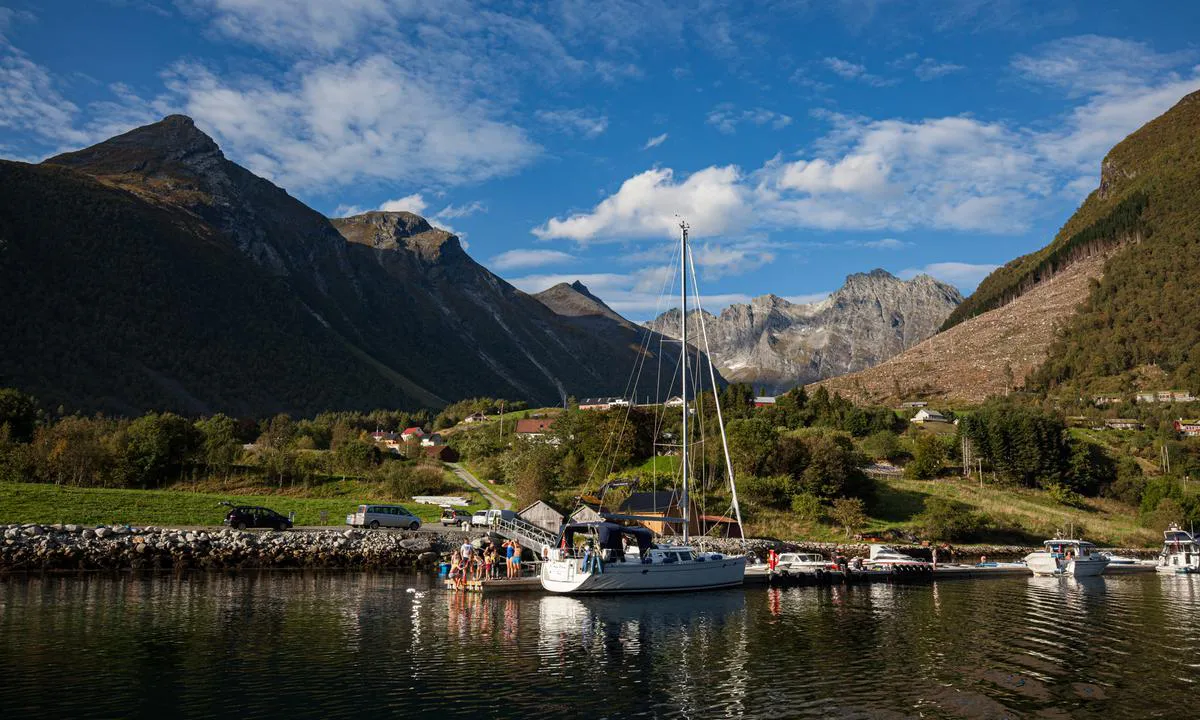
x: 495, y: 500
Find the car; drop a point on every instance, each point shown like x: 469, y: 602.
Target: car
x: 253, y: 516
x: 490, y: 517
x: 377, y: 516
x: 450, y: 516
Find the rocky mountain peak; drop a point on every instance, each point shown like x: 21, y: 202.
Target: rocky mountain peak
x: 169, y: 146
x: 575, y: 300
x: 385, y: 230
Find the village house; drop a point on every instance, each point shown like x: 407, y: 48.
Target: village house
x: 1165, y: 396
x: 474, y: 418
x: 674, y: 401
x: 1187, y: 428
x: 764, y: 401
x: 1107, y: 399
x: 432, y: 440
x: 534, y: 428
x: 602, y: 403
x: 914, y: 405
x: 1122, y: 424
x: 926, y: 415
x: 390, y: 440
x: 445, y: 453
x: 412, y: 433
x: 544, y: 515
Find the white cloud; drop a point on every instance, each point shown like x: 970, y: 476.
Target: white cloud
x: 715, y: 259
x: 651, y: 204
x: 964, y: 276
x: 414, y: 204
x: 343, y: 210
x: 30, y: 100
x: 338, y: 124
x: 885, y: 244
x: 460, y: 211
x: 1087, y: 64
x: 855, y: 71
x: 574, y: 121
x: 529, y: 258
x: 655, y: 141
x: 930, y: 69
x: 725, y: 117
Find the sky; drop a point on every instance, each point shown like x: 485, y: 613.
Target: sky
x: 803, y: 140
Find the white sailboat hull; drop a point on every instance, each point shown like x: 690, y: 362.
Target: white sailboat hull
x: 565, y: 576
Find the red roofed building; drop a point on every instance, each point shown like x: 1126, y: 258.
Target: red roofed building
x: 412, y: 433
x: 1187, y: 428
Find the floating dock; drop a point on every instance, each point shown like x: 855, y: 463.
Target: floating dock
x: 760, y: 575
x: 496, y: 585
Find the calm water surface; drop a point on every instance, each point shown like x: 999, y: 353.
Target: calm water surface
x: 328, y: 645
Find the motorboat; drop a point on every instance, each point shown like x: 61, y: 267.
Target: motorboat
x: 887, y: 556
x: 1180, y: 555
x: 801, y: 563
x: 1076, y: 558
x: 621, y: 559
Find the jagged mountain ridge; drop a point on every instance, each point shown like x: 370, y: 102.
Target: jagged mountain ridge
x: 269, y: 306
x: 776, y: 344
x: 1109, y: 301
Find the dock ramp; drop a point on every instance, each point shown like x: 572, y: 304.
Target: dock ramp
x: 526, y: 533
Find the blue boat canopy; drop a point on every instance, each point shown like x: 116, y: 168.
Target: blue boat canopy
x: 611, y: 535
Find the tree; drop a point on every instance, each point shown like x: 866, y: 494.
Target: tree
x: 751, y: 445
x: 834, y: 468
x: 944, y: 519
x: 219, y: 445
x: 929, y: 453
x: 1090, y: 469
x: 156, y: 447
x: 849, y: 513
x: 19, y: 412
x: 883, y: 445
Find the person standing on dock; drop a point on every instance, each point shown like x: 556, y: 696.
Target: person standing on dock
x: 516, y: 560
x: 508, y: 558
x: 772, y: 560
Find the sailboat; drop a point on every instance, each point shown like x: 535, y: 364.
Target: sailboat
x: 626, y: 559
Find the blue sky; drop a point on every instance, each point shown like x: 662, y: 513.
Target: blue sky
x: 802, y: 140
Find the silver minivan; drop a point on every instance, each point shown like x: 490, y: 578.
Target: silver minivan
x: 377, y: 516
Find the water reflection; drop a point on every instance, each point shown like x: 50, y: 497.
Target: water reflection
x: 341, y: 645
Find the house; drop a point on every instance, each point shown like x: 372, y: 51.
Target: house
x: 764, y: 401
x: 674, y: 401
x: 390, y: 440
x: 602, y: 403
x: 1166, y: 396
x: 432, y: 440
x: 1146, y: 397
x: 412, y: 433
x: 1187, y: 428
x: 926, y: 416
x: 663, y: 504
x: 585, y: 513
x: 718, y: 525
x: 543, y: 514
x: 1122, y: 424
x: 477, y: 417
x: 534, y: 427
x: 914, y: 405
x: 1107, y: 399
x: 445, y: 453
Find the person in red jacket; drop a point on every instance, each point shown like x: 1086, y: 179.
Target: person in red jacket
x: 772, y: 559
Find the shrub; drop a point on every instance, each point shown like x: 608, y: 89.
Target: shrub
x: 807, y: 506
x: 850, y: 513
x: 770, y: 491
x: 944, y: 519
x: 1064, y: 495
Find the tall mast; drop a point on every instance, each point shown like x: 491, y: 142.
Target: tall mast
x: 683, y: 242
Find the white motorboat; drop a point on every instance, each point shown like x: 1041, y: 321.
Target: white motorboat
x: 618, y: 558
x: 886, y: 556
x: 1180, y: 555
x: 1076, y: 558
x: 801, y: 563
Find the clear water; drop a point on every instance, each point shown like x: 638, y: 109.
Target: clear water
x: 328, y: 645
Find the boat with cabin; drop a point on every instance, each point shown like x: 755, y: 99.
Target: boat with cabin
x: 802, y: 563
x: 1075, y: 558
x: 617, y: 557
x: 1180, y: 555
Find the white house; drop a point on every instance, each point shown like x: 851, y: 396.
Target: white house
x: 925, y: 415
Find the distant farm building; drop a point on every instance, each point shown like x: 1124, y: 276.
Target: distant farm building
x: 602, y: 403
x: 764, y: 401
x: 412, y: 433
x: 535, y: 429
x: 432, y: 440
x: 674, y: 401
x: 1122, y: 424
x: 476, y: 417
x: 1187, y: 428
x: 1165, y: 396
x: 445, y: 453
x: 914, y: 405
x: 925, y: 415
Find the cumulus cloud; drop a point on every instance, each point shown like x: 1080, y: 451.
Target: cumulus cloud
x: 651, y: 204
x: 574, y: 121
x: 964, y: 276
x: 529, y: 258
x: 655, y: 141
x: 341, y: 123
x: 726, y: 118
x: 855, y: 71
x: 642, y: 294
x: 414, y: 204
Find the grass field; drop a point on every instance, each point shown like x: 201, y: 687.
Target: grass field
x: 1022, y: 516
x: 36, y: 502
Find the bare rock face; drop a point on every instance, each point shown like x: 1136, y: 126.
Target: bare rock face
x: 775, y: 344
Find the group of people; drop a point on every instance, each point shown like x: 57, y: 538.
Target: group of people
x: 483, y: 563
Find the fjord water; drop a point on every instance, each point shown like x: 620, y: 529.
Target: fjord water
x: 329, y: 645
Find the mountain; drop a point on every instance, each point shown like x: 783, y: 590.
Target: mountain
x: 576, y: 301
x: 775, y: 344
x: 150, y: 272
x: 1109, y: 302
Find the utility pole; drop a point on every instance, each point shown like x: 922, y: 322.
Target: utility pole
x: 501, y: 420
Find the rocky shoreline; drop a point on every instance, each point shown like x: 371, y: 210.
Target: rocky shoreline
x: 36, y: 547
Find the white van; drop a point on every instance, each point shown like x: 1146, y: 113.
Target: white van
x: 489, y: 517
x: 377, y: 516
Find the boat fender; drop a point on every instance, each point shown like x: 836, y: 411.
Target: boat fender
x: 718, y: 556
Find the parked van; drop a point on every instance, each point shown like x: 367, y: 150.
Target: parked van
x: 377, y: 516
x: 489, y: 517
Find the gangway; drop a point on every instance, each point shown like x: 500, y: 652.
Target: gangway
x: 526, y: 533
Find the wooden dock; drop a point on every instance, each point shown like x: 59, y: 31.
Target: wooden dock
x: 496, y: 585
